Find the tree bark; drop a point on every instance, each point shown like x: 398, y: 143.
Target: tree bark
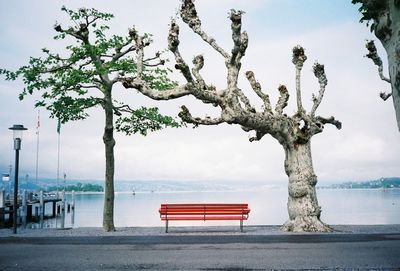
x: 304, y: 211
x: 109, y: 143
x: 392, y: 46
x: 388, y: 32
x: 386, y: 24
x: 394, y: 71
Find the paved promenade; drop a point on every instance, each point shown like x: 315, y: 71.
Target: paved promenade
x: 201, y: 248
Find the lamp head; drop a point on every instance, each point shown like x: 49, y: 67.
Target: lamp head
x: 17, y: 130
x: 17, y: 135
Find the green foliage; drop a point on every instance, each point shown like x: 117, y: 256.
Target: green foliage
x: 143, y: 120
x: 79, y: 187
x: 83, y: 75
x: 371, y: 10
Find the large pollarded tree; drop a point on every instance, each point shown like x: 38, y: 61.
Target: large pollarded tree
x: 384, y: 17
x: 83, y: 77
x: 294, y: 132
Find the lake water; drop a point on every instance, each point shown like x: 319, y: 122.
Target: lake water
x: 268, y: 207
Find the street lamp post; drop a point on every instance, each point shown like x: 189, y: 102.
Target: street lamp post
x: 17, y: 135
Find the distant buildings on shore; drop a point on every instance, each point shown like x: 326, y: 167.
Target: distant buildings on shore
x: 383, y: 183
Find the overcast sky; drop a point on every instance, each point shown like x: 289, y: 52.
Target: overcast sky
x: 366, y: 148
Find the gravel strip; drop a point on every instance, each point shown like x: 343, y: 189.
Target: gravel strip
x: 212, y: 230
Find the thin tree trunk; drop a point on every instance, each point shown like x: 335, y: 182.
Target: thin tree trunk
x: 303, y: 209
x: 109, y: 142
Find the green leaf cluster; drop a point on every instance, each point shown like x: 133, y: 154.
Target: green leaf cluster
x: 143, y: 120
x: 371, y: 10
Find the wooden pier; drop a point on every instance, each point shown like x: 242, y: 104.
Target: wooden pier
x: 31, y: 207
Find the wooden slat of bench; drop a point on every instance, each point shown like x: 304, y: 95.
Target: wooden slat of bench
x: 179, y: 205
x: 204, y: 211
x: 203, y: 206
x: 206, y: 218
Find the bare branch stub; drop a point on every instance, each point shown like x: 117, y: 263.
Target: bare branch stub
x: 240, y: 40
x: 188, y: 118
x: 283, y: 99
x: 298, y: 60
x: 373, y: 55
x: 189, y: 16
x: 384, y: 96
x: 173, y: 45
x: 330, y: 120
x: 198, y: 62
x: 319, y: 72
x: 255, y: 85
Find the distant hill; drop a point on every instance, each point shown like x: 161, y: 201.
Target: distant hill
x: 392, y: 182
x: 183, y: 186
x: 141, y: 186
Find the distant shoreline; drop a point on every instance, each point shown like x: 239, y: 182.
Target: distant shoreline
x: 216, y: 191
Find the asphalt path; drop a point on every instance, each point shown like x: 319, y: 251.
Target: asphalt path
x: 210, y: 252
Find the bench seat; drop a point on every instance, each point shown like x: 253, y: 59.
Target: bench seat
x: 204, y: 211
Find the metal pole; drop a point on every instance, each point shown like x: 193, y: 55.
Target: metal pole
x: 15, y: 206
x: 41, y: 209
x: 58, y: 162
x: 24, y: 208
x: 9, y: 182
x: 37, y: 148
x: 62, y: 209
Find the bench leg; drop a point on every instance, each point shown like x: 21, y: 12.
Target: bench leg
x: 166, y: 226
x: 241, y: 225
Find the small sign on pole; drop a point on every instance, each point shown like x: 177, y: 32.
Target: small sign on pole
x: 5, y: 177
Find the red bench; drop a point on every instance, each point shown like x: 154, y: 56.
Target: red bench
x: 204, y: 211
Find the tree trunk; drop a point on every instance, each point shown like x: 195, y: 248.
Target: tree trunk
x: 392, y: 47
x: 388, y: 32
x: 109, y: 142
x: 394, y: 71
x: 303, y: 209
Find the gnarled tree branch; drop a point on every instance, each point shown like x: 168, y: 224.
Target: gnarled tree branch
x: 330, y: 120
x: 283, y: 99
x: 188, y: 118
x: 173, y: 43
x: 257, y: 89
x: 298, y: 60
x: 373, y: 55
x: 319, y: 72
x: 190, y: 17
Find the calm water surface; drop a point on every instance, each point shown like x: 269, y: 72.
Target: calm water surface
x: 268, y: 207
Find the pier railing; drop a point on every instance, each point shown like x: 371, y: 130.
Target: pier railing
x: 31, y: 206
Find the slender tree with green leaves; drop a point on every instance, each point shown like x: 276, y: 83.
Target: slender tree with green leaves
x: 83, y: 77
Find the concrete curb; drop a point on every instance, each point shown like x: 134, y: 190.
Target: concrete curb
x: 205, y: 230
